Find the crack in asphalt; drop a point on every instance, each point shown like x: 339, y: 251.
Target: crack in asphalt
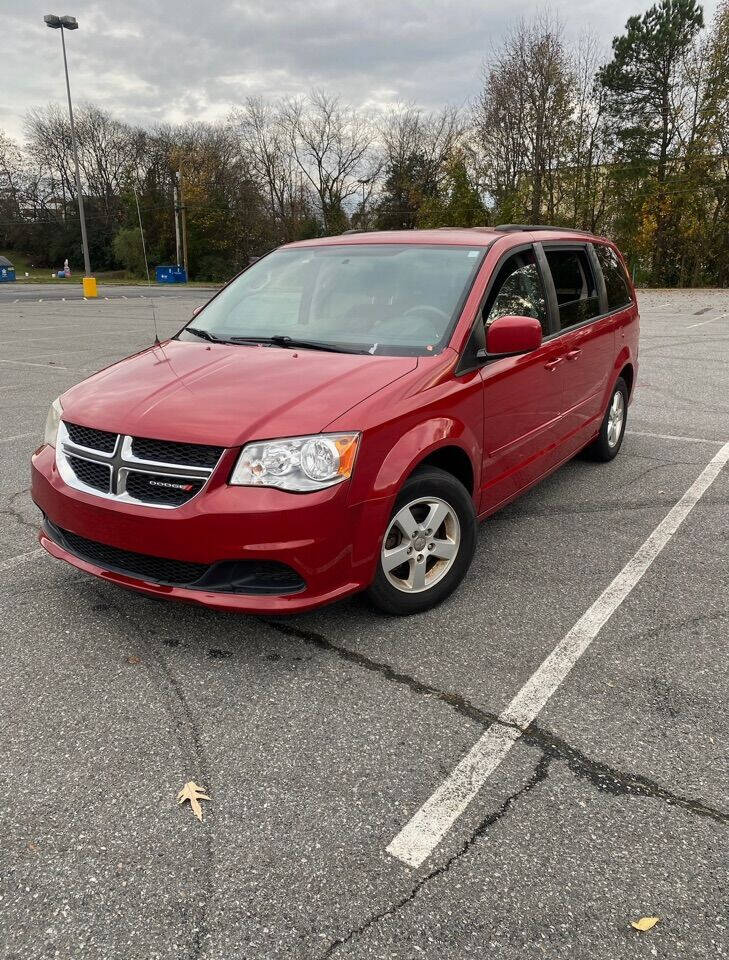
x: 190, y: 741
x: 13, y: 512
x: 541, y: 772
x: 605, y: 778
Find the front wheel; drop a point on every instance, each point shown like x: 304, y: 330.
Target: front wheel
x: 428, y: 545
x: 612, y: 430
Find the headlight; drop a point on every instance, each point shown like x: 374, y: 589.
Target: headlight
x: 52, y: 420
x: 297, y: 463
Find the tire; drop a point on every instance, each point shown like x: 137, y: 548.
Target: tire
x: 433, y: 564
x: 612, y: 430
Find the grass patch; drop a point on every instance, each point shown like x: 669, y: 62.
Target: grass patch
x: 23, y: 265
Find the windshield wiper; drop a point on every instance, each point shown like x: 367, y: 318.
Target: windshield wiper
x: 280, y: 340
x: 205, y: 335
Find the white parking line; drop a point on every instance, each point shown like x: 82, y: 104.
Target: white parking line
x: 429, y: 825
x: 702, y: 323
x: 672, y: 436
x: 19, y: 436
x: 21, y: 558
x: 28, y: 363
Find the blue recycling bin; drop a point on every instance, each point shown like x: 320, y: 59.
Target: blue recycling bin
x: 7, y: 271
x: 171, y: 274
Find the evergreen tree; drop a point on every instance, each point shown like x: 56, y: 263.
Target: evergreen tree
x: 644, y: 71
x: 640, y: 84
x: 457, y: 203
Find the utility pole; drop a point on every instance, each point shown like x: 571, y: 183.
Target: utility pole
x: 184, y: 227
x: 363, y: 184
x: 70, y: 23
x: 176, y: 199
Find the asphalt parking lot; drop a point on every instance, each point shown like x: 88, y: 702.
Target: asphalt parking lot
x: 319, y: 737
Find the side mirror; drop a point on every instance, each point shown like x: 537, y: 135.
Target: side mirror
x: 196, y: 310
x: 510, y: 336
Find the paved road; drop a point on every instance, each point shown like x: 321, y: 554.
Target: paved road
x: 12, y: 293
x: 320, y: 736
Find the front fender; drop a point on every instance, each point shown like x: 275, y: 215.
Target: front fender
x: 386, y: 480
x: 419, y: 443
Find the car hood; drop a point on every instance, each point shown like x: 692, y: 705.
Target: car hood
x: 226, y: 395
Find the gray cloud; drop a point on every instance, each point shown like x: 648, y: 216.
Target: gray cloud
x: 165, y: 60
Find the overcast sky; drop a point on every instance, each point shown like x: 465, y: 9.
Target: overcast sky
x: 155, y: 60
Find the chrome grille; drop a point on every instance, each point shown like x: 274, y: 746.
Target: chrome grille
x: 129, y: 469
x: 92, y: 439
x: 166, y: 451
x: 92, y: 473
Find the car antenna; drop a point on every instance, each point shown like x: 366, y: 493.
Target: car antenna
x: 146, y: 267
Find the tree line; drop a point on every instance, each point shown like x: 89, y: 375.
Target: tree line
x: 632, y: 143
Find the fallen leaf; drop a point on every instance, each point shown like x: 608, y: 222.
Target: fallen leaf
x: 133, y: 660
x: 192, y: 792
x: 32, y: 846
x: 645, y: 923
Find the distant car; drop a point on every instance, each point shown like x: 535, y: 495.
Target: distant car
x: 7, y: 270
x: 340, y: 416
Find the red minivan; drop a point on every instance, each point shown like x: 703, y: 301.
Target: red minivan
x: 340, y: 416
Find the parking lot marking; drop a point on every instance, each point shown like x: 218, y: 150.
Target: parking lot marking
x: 673, y: 436
x: 422, y: 834
x: 19, y: 436
x: 703, y: 323
x: 21, y: 558
x: 28, y: 363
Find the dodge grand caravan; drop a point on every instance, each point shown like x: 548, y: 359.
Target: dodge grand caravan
x: 340, y: 416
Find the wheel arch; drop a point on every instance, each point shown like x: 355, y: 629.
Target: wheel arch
x: 451, y: 459
x: 628, y: 374
x: 442, y: 443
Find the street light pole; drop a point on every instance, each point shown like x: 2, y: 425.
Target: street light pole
x: 70, y: 23
x: 363, y: 184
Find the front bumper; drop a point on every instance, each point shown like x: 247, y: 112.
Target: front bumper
x: 331, y: 544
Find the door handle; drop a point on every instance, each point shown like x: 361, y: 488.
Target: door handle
x: 573, y: 354
x: 553, y: 363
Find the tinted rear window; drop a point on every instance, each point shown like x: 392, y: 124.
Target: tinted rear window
x: 618, y: 292
x: 574, y: 285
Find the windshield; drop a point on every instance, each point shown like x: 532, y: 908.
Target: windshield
x: 396, y: 299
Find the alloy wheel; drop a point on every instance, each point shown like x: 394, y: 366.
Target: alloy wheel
x: 616, y: 416
x: 421, y: 544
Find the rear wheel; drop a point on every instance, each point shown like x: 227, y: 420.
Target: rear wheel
x: 612, y: 430
x: 428, y: 545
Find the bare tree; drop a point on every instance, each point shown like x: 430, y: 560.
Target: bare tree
x: 417, y: 148
x: 406, y: 131
x: 587, y: 155
x: 265, y: 143
x: 333, y: 146
x: 524, y: 115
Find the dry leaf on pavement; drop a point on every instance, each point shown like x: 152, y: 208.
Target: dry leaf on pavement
x: 645, y: 923
x: 192, y: 792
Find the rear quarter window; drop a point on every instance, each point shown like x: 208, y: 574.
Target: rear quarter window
x: 574, y: 286
x: 616, y: 283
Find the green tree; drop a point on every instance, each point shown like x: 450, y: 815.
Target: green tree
x: 408, y: 184
x: 640, y: 79
x: 457, y: 202
x: 128, y: 250
x: 640, y: 83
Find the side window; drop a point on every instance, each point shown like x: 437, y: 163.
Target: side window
x: 575, y: 286
x: 517, y: 290
x: 618, y: 292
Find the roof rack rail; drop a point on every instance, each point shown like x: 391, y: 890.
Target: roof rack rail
x: 514, y: 227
